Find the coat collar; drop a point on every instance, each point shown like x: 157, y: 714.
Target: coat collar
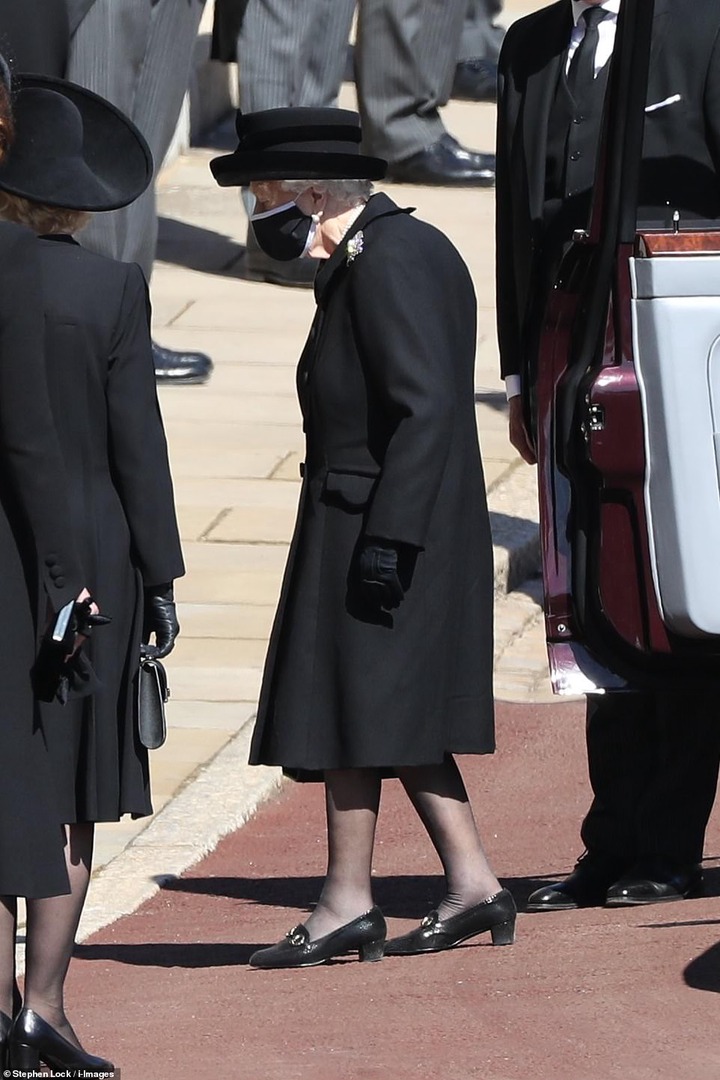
x: 377, y: 206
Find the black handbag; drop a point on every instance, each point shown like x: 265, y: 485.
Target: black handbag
x: 153, y: 692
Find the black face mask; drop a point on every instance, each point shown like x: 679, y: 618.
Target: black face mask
x: 283, y: 233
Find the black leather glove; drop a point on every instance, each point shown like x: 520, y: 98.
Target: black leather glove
x: 379, y: 574
x: 160, y: 619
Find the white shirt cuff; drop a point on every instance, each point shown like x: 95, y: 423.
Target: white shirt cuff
x: 513, y: 386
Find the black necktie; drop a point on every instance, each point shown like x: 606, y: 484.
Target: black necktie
x: 582, y: 66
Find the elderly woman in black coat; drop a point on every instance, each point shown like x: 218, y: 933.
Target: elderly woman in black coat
x: 380, y: 661
x: 74, y: 152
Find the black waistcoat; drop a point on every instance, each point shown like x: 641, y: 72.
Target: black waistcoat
x: 573, y: 138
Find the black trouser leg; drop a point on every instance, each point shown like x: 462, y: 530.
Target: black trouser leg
x: 653, y: 761
x: 622, y: 754
x: 675, y: 805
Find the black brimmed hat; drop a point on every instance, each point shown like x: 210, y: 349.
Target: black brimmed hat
x: 72, y: 148
x: 297, y: 144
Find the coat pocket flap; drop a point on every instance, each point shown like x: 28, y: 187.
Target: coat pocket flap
x: 354, y: 489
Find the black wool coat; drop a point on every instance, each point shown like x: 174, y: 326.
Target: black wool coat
x: 386, y: 385
x: 40, y: 568
x: 101, y: 379
x: 35, y: 35
x: 681, y: 145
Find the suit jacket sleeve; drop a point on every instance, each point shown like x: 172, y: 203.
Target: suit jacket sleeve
x: 138, y: 450
x: 407, y: 329
x: 31, y: 456
x: 508, y: 315
x: 712, y: 106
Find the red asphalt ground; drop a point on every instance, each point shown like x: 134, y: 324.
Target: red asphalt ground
x: 627, y: 994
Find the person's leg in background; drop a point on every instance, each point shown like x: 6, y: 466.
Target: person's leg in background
x: 476, y: 71
x: 404, y: 64
x: 137, y: 54
x: 290, y: 52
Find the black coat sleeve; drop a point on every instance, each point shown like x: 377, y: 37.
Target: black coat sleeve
x: 408, y: 310
x: 29, y: 446
x: 508, y: 315
x: 137, y: 446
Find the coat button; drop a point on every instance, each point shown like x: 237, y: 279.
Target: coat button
x: 576, y: 155
x: 59, y: 581
x: 51, y: 559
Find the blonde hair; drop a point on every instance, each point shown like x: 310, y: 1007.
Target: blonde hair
x: 41, y: 219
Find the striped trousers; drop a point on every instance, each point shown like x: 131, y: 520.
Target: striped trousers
x: 292, y: 52
x: 136, y: 53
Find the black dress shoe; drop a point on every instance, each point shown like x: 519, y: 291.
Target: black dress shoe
x: 448, y: 163
x: 295, y: 273
x: 475, y: 80
x: 587, y: 886
x: 181, y: 368
x: 496, y: 914
x: 5, y: 1026
x: 655, y: 882
x: 33, y: 1041
x: 366, y: 935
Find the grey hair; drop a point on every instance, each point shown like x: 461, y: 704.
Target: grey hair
x: 349, y: 191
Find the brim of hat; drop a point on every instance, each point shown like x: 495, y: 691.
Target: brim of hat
x: 233, y: 170
x: 117, y: 163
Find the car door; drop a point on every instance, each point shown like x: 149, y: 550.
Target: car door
x: 628, y: 437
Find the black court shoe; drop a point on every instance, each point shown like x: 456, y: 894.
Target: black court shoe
x: 366, y: 935
x: 5, y: 1026
x: 33, y: 1041
x: 496, y: 914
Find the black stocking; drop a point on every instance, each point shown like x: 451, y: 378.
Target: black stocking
x: 51, y: 927
x: 352, y: 799
x: 8, y: 926
x: 439, y: 795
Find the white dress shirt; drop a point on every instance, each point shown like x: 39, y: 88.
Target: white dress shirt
x: 606, y: 44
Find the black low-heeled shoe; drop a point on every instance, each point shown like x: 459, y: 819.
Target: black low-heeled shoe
x: 33, y: 1040
x: 5, y: 1028
x: 496, y: 914
x: 365, y: 934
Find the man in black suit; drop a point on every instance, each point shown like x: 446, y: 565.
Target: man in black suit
x: 653, y: 758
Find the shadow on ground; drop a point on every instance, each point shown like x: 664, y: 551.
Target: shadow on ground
x: 200, y: 249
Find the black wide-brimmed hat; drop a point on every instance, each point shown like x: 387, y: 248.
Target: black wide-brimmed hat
x: 72, y: 148
x: 297, y: 144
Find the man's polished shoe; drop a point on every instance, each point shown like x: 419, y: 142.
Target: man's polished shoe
x: 364, y: 935
x: 496, y: 914
x: 587, y: 886
x: 447, y: 163
x: 475, y: 80
x: 181, y: 368
x: 33, y: 1041
x: 655, y: 882
x: 258, y: 266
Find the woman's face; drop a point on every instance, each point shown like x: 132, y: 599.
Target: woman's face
x: 270, y: 193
